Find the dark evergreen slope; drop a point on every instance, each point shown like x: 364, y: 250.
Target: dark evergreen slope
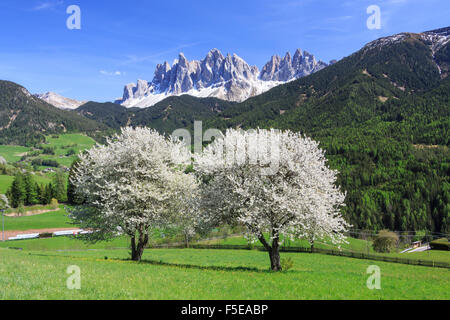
x: 166, y: 116
x: 111, y: 114
x: 179, y: 112
x: 25, y: 119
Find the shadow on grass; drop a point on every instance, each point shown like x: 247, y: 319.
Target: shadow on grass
x: 198, y: 267
x: 167, y: 264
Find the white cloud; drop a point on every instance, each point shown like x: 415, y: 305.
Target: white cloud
x: 47, y: 5
x: 111, y: 73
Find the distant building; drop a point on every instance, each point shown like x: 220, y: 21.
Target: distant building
x: 417, y: 244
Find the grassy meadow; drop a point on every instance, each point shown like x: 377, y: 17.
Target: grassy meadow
x: 65, y: 146
x: 52, y: 219
x: 209, y: 274
x: 13, y: 153
x: 5, y: 183
x: 355, y: 245
x: 65, y: 143
x: 61, y: 144
x: 36, y: 269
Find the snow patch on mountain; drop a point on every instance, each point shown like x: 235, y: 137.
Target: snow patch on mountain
x: 59, y: 101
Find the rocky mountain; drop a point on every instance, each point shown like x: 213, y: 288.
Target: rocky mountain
x: 301, y: 65
x: 59, y: 101
x: 225, y: 77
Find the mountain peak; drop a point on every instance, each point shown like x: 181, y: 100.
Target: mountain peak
x: 289, y: 68
x: 59, y: 101
x: 226, y: 77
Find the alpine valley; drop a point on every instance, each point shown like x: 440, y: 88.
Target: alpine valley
x: 382, y: 114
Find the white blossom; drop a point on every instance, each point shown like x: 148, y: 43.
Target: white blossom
x: 133, y: 183
x: 4, y: 203
x: 272, y: 182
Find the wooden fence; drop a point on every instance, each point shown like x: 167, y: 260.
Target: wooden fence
x: 343, y: 253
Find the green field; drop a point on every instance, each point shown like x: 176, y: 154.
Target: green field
x: 43, y: 179
x: 355, y: 245
x: 209, y: 274
x: 63, y: 144
x: 5, y: 183
x: 36, y: 269
x: 13, y: 153
x: 64, y: 243
x: 56, y: 219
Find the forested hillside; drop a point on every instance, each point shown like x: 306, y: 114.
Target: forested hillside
x: 25, y: 119
x: 166, y: 116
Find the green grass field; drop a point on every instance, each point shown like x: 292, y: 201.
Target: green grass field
x: 5, y: 183
x: 13, y: 153
x: 56, y: 219
x: 209, y: 274
x: 63, y: 144
x: 355, y: 245
x: 36, y: 269
x: 64, y: 244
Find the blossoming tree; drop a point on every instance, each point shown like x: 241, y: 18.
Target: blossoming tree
x: 274, y: 183
x: 4, y: 203
x: 133, y: 183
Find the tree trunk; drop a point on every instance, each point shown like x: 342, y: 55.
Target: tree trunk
x: 275, y: 260
x: 138, y: 249
x: 133, y: 249
x: 274, y: 253
x: 186, y: 240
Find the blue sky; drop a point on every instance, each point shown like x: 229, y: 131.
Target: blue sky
x: 121, y: 41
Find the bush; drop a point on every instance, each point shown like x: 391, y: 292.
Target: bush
x: 45, y: 163
x: 440, y: 244
x: 385, y: 241
x: 46, y: 235
x: 287, y: 263
x: 49, y: 151
x: 71, y: 152
x: 54, y: 203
